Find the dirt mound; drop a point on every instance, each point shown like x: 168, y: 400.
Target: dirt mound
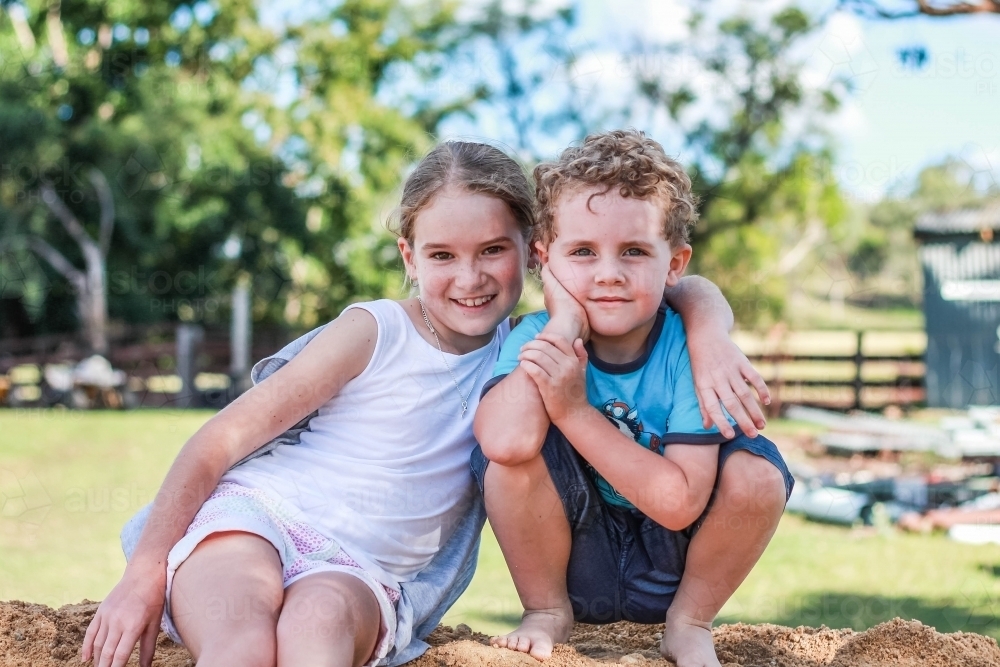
x: 34, y: 635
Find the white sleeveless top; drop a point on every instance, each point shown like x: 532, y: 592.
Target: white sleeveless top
x: 384, y: 467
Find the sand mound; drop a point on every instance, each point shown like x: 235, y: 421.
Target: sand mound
x: 33, y: 635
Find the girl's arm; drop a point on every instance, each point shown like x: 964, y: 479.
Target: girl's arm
x: 721, y: 370
x: 133, y: 608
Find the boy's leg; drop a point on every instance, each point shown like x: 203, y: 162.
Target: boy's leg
x: 329, y: 619
x: 749, y: 501
x: 528, y: 518
x: 225, y: 599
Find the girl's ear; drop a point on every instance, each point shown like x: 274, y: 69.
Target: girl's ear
x: 406, y: 250
x: 533, y: 260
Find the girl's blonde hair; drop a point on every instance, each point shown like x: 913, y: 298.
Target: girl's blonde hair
x: 474, y: 167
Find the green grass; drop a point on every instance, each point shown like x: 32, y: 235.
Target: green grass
x: 69, y: 480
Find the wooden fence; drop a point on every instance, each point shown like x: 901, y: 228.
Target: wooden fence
x: 826, y: 372
x: 148, y: 355
x: 845, y: 379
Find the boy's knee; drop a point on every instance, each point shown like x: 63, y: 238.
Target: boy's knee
x: 751, y: 483
x: 522, y: 477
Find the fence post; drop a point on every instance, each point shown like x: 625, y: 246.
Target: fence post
x: 240, y: 334
x: 859, y: 384
x: 189, y: 337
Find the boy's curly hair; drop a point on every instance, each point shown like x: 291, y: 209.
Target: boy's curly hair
x: 624, y: 159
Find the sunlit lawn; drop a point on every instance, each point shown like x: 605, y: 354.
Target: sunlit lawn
x: 69, y: 481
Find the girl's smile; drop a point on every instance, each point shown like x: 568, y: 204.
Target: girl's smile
x: 467, y: 259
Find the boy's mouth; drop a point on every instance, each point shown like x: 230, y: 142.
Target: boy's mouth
x: 475, y: 302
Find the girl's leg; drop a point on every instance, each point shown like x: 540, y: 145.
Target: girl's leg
x: 329, y: 619
x: 748, y: 505
x: 225, y: 599
x: 530, y: 523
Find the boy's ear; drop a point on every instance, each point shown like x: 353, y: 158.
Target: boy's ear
x: 542, y: 252
x: 678, y: 264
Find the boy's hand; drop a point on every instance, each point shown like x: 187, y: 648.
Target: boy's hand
x: 559, y: 370
x: 721, y: 372
x: 566, y: 316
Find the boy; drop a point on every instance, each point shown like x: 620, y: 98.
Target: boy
x: 595, y: 467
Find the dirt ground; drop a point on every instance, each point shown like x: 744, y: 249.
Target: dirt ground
x: 33, y: 635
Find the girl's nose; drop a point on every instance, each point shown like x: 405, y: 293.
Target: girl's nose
x: 469, y: 276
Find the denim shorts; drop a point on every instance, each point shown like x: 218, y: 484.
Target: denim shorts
x: 623, y: 565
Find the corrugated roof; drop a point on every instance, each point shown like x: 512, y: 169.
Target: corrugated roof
x: 963, y: 221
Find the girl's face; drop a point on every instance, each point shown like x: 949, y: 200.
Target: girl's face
x: 468, y: 260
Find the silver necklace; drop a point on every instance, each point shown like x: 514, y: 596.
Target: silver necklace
x: 479, y: 371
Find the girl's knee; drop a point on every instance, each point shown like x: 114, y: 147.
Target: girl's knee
x: 335, y: 610
x: 249, y: 645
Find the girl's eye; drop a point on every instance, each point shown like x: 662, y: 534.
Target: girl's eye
x: 582, y: 252
x: 493, y: 250
x: 441, y: 255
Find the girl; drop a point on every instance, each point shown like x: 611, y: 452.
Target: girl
x: 341, y: 548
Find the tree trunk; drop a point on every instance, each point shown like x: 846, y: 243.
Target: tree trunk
x: 94, y: 305
x: 90, y: 284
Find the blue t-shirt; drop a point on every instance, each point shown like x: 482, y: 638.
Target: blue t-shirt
x: 651, y: 400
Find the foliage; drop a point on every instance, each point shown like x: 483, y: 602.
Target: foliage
x: 214, y: 172
x: 763, y: 185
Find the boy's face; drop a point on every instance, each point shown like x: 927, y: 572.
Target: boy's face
x: 612, y: 257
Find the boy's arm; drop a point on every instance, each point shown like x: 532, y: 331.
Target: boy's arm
x: 511, y: 421
x: 672, y: 489
x: 721, y: 370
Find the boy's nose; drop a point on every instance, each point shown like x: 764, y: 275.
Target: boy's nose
x: 609, y: 272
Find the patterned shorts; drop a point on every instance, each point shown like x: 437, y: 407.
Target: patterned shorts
x: 302, y: 550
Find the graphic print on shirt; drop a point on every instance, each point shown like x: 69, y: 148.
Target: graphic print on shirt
x: 626, y: 420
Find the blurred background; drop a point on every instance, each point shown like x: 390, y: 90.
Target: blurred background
x: 185, y: 187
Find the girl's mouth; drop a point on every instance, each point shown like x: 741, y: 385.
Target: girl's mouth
x: 474, y: 302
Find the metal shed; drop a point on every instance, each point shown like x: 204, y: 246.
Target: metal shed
x: 961, y: 265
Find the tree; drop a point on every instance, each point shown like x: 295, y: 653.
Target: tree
x: 212, y: 172
x: 762, y: 186
x: 722, y: 98
x: 879, y: 9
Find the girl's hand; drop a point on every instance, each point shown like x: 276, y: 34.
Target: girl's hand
x: 559, y: 370
x: 566, y: 316
x: 721, y: 375
x: 130, y: 613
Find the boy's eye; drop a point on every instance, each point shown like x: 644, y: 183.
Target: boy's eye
x: 441, y: 255
x: 582, y: 252
x: 493, y: 249
x: 635, y: 252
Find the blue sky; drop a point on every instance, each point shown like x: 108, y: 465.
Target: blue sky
x: 898, y: 121
x: 903, y: 119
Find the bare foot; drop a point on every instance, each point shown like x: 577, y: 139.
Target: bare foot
x: 540, y: 630
x: 688, y: 643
